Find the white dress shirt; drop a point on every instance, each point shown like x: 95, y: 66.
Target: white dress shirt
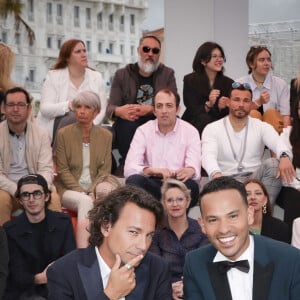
x: 104, y: 269
x: 241, y: 283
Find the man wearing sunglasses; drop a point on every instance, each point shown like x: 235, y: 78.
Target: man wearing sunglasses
x: 24, y: 148
x: 131, y: 96
x: 234, y: 146
x: 36, y: 239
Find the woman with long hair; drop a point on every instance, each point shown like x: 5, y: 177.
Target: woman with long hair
x: 68, y: 77
x: 270, y: 93
x: 206, y: 89
x: 289, y: 195
x: 264, y: 223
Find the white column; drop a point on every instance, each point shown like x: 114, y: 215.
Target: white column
x: 189, y: 23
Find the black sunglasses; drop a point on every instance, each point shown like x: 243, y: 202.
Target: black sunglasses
x: 147, y: 49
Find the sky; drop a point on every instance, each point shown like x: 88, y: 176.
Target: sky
x: 154, y: 16
x: 259, y: 12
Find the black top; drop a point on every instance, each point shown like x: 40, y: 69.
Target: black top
x: 196, y: 90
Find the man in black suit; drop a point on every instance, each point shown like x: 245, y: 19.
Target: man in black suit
x: 237, y: 265
x: 116, y: 265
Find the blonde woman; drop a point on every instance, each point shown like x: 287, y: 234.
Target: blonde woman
x: 83, y: 153
x: 104, y: 185
x: 180, y: 235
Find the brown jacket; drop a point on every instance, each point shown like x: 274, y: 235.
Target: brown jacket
x: 69, y: 158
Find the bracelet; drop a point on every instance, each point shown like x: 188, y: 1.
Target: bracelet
x: 258, y: 105
x: 209, y: 107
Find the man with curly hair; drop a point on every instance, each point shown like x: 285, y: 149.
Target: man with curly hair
x: 117, y: 263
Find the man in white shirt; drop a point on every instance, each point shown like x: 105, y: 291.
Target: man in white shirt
x: 237, y: 265
x: 235, y: 146
x: 117, y: 263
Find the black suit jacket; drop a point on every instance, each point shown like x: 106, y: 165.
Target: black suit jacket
x: 276, y: 273
x: 3, y: 261
x: 77, y: 276
x: 58, y: 240
x: 275, y: 229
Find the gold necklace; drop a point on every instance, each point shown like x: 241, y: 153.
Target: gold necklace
x: 260, y: 82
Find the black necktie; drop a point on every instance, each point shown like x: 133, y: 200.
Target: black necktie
x: 242, y: 265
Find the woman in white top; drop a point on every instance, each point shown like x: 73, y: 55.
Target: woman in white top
x: 69, y: 76
x: 271, y: 95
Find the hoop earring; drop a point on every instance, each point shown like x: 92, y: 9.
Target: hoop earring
x: 264, y: 209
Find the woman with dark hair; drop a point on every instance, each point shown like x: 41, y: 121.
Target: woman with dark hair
x: 294, y: 92
x: 264, y: 223
x: 289, y: 196
x: 68, y: 77
x: 206, y: 89
x: 270, y: 93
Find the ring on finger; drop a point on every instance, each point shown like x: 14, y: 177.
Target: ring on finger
x: 128, y: 266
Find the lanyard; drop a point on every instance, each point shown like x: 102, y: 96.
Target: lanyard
x: 240, y: 167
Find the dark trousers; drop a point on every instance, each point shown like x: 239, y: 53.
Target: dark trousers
x: 153, y: 185
x: 289, y: 200
x: 124, y: 131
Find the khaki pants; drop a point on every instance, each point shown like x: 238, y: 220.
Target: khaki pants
x: 9, y: 204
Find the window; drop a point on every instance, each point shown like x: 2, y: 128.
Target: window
x: 30, y: 10
x: 18, y: 38
x: 132, y: 50
x: 88, y: 17
x: 132, y: 23
x: 122, y: 23
x: 49, y: 42
x: 59, y: 42
x: 111, y: 22
x: 100, y: 47
x: 99, y: 21
x: 4, y: 37
x: 111, y: 48
x: 121, y: 49
x: 31, y: 75
x: 59, y: 13
x: 76, y: 16
x: 49, y: 12
x: 88, y: 46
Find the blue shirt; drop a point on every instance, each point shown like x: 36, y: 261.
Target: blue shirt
x: 166, y: 244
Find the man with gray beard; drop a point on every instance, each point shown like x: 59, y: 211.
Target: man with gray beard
x: 130, y: 102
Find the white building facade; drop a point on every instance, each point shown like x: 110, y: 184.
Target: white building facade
x: 111, y: 30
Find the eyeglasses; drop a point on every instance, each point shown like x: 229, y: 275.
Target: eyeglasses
x: 147, y: 49
x: 21, y: 105
x: 236, y: 85
x: 176, y: 200
x: 37, y: 195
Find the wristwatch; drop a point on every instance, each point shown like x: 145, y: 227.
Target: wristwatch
x: 283, y: 154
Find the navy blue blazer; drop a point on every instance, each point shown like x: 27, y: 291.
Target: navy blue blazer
x: 276, y: 273
x: 58, y: 240
x: 77, y: 276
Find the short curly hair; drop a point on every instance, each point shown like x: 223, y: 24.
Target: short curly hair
x: 109, y: 209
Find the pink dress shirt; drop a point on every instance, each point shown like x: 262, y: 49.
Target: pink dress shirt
x: 179, y: 148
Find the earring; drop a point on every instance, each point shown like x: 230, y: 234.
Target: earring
x: 264, y: 209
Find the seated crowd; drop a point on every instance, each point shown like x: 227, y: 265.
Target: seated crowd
x: 62, y: 163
